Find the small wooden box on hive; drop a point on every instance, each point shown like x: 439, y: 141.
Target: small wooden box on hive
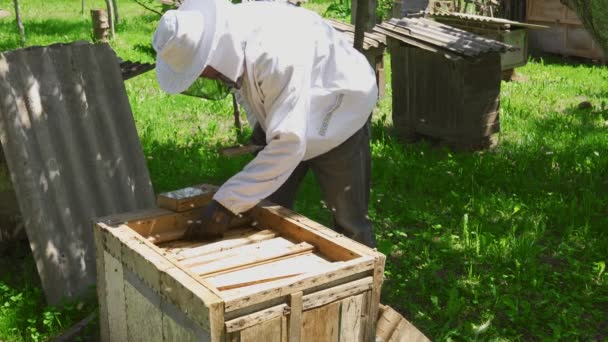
x: 280, y: 277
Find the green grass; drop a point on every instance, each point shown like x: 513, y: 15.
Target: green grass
x: 508, y: 244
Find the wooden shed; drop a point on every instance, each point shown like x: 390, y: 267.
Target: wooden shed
x: 565, y: 35
x: 276, y: 277
x: 446, y: 82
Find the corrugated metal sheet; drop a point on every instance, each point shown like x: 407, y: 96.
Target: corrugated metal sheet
x: 370, y: 39
x: 71, y: 145
x: 435, y: 37
x: 483, y: 19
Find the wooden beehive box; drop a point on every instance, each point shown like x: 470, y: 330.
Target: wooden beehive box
x: 279, y: 277
x: 446, y: 83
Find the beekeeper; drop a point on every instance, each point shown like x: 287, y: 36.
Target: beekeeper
x: 300, y: 81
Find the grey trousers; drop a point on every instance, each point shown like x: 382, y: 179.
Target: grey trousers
x: 343, y: 174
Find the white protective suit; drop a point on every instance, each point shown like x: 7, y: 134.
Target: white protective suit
x: 306, y: 86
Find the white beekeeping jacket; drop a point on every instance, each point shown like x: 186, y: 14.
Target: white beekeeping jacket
x: 309, y: 89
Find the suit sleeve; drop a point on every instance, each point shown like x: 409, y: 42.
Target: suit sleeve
x: 283, y: 78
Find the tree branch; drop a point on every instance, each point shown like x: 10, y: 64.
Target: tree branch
x: 148, y: 8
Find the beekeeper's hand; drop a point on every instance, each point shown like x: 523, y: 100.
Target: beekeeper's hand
x: 212, y: 223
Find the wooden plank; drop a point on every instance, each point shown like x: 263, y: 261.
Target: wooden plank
x: 104, y: 329
x: 178, y: 327
x: 252, y: 289
x: 186, y: 198
x: 158, y: 225
x: 365, y: 316
x: 243, y: 262
x: 338, y: 270
x: 242, y: 238
x: 165, y: 228
x: 144, y: 317
x: 350, y: 318
x: 234, y: 337
x: 144, y: 261
x: 374, y: 301
x: 254, y: 249
x: 405, y: 331
x: 321, y: 324
x: 269, y: 331
x: 333, y: 294
x: 181, y: 245
x: 162, y: 276
x: 387, y: 323
x: 271, y: 271
x: 265, y: 279
x: 132, y: 216
x: 196, y: 301
x: 172, y: 331
x: 152, y: 247
x: 114, y: 237
x: 256, y: 318
x: 284, y: 332
x: 330, y: 244
x: 295, y: 317
x: 115, y: 297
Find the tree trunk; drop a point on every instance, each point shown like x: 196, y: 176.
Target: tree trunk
x: 110, y: 7
x: 116, y: 16
x: 594, y: 15
x: 82, y: 7
x: 19, y: 23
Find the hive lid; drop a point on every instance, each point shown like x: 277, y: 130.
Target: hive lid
x: 463, y: 17
x: 370, y: 39
x: 436, y: 37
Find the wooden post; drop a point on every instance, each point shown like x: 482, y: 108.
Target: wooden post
x: 364, y: 13
x: 19, y: 22
x: 237, y: 115
x: 116, y: 16
x: 110, y: 7
x: 99, y: 20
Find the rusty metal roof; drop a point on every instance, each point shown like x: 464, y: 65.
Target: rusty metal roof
x: 436, y: 37
x: 370, y: 39
x: 72, y: 148
x: 505, y: 23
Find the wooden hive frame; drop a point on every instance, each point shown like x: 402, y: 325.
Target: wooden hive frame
x: 146, y: 293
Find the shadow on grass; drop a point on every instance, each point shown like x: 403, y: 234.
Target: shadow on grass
x: 462, y: 230
x: 554, y: 59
